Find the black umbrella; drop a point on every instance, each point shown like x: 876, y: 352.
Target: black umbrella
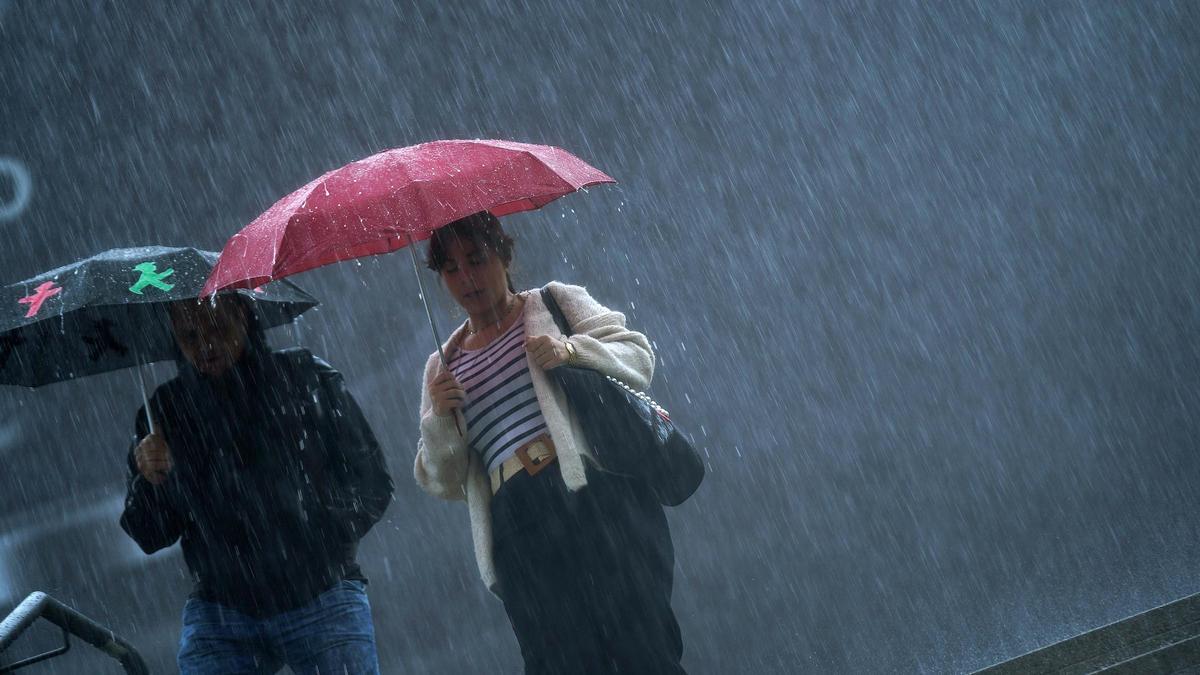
x: 108, y: 312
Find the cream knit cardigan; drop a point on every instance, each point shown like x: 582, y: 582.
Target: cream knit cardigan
x: 445, y: 467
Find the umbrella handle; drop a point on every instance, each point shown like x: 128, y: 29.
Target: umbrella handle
x: 458, y: 415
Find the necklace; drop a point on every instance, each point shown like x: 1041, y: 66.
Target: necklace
x: 471, y: 330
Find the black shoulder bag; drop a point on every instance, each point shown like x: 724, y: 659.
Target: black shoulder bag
x: 629, y: 433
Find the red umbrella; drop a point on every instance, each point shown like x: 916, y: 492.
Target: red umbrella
x: 392, y: 199
x: 395, y: 199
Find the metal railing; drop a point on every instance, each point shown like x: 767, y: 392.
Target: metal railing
x: 71, y: 622
x: 1165, y: 639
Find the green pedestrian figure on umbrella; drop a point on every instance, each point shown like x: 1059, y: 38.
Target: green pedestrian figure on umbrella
x: 151, y: 277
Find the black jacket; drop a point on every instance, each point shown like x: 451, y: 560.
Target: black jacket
x: 276, y: 477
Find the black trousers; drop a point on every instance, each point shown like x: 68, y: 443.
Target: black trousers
x: 586, y: 577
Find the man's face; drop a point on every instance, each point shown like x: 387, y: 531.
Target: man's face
x: 212, y: 338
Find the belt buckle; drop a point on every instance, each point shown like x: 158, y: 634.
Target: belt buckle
x: 534, y: 466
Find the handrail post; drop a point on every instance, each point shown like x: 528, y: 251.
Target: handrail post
x: 38, y: 604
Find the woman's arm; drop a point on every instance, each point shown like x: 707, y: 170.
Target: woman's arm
x: 442, y: 455
x: 601, y: 340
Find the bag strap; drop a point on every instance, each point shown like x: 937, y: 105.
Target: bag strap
x: 556, y: 312
x: 565, y: 327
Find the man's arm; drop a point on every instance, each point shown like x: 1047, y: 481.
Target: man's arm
x: 148, y: 518
x: 362, y: 488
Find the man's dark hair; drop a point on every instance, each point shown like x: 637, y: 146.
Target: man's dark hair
x: 256, y: 334
x: 482, y: 229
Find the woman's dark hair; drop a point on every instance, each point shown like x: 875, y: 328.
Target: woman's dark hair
x: 482, y: 229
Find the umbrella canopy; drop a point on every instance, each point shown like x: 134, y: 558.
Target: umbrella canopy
x: 107, y: 312
x: 395, y: 198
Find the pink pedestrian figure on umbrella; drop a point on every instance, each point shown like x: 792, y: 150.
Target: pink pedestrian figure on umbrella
x: 40, y: 294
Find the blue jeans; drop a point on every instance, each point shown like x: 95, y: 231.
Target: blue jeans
x: 331, y: 634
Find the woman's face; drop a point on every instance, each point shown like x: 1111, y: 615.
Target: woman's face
x: 475, y: 276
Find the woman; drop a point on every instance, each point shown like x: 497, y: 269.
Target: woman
x: 581, y: 558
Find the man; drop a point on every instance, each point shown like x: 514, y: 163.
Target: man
x: 263, y: 467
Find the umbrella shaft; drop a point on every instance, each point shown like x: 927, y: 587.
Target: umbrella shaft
x: 437, y: 338
x: 145, y: 397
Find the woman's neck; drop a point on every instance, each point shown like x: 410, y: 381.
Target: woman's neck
x: 495, y: 319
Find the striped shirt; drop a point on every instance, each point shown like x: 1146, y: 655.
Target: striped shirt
x: 502, y: 409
